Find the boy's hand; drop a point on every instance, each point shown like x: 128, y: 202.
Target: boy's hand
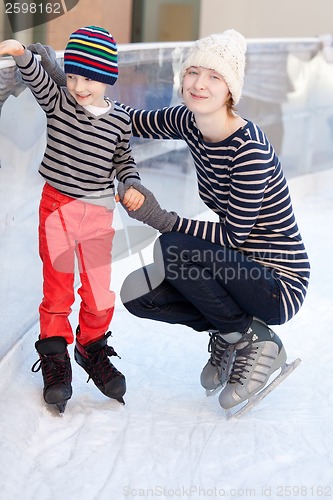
x: 132, y: 199
x: 11, y: 48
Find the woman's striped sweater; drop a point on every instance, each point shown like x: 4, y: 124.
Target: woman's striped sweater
x: 84, y: 153
x: 242, y: 181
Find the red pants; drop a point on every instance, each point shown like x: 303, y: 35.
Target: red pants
x: 69, y: 228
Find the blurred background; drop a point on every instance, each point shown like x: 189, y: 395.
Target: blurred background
x: 176, y: 20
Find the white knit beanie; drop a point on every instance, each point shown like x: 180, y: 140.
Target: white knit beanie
x: 224, y: 53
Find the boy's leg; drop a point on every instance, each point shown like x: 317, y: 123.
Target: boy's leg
x: 97, y: 303
x: 57, y: 254
x: 94, y: 257
x: 54, y: 362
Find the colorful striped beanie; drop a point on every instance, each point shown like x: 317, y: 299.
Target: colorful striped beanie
x: 92, y: 52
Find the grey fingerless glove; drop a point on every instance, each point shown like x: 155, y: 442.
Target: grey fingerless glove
x: 49, y: 62
x: 150, y: 212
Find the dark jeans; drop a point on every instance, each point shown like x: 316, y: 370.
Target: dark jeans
x: 202, y: 285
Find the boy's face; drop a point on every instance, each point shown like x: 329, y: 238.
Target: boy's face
x: 85, y: 91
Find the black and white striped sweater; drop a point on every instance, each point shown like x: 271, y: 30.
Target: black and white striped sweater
x: 242, y: 181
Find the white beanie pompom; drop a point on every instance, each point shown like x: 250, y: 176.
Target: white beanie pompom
x: 225, y: 54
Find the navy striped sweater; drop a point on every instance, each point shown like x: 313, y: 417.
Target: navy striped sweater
x: 242, y: 181
x: 84, y: 153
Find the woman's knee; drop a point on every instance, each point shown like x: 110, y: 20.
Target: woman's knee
x: 139, y: 283
x: 170, y: 247
x: 172, y: 239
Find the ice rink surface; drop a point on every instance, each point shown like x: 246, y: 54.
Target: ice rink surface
x: 170, y: 440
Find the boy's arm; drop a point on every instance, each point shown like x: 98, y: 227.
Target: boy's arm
x: 123, y: 161
x: 126, y: 169
x: 33, y: 74
x: 49, y: 62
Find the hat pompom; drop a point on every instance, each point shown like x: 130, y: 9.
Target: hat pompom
x: 238, y: 39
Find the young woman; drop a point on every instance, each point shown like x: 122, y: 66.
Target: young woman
x: 250, y: 269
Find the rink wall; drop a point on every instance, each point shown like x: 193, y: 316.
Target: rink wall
x: 288, y: 91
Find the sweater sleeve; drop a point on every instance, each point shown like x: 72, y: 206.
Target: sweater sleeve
x: 166, y: 123
x: 126, y: 170
x: 252, y: 168
x: 35, y: 77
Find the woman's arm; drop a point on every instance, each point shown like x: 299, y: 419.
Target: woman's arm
x: 249, y: 180
x: 49, y: 62
x: 166, y: 123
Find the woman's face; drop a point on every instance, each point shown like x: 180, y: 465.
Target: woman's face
x: 204, y: 90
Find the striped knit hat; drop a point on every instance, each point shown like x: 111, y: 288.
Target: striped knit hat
x: 92, y: 52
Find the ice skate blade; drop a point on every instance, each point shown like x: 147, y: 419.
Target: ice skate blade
x: 212, y: 392
x: 286, y: 370
x: 61, y: 408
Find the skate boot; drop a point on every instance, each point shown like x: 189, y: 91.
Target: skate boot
x: 258, y: 354
x: 94, y: 359
x: 216, y: 372
x: 56, y: 369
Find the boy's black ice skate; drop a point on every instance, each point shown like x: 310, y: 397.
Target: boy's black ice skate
x: 56, y: 369
x: 215, y: 373
x: 94, y: 359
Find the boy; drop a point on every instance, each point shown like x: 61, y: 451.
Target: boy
x: 87, y: 148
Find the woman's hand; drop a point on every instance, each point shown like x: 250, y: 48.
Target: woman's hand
x: 150, y: 212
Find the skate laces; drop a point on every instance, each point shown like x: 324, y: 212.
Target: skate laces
x: 101, y: 369
x: 243, y: 361
x: 219, y: 349
x: 56, y: 368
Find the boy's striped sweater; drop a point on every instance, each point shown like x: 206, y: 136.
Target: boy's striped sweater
x: 84, y: 153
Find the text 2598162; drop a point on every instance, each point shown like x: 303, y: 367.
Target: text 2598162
x: 33, y: 8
